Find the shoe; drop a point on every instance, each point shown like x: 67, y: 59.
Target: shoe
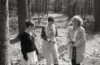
x: 55, y: 64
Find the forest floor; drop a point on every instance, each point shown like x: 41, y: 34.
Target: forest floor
x: 92, y: 51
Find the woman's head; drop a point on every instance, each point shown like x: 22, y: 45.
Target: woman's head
x: 50, y: 20
x: 77, y: 21
x: 29, y: 25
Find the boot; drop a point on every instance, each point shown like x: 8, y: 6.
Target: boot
x: 55, y: 64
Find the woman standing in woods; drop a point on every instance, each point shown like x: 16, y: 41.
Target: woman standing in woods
x: 49, y: 42
x: 76, y: 40
x: 28, y: 45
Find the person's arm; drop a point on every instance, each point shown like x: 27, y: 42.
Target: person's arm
x: 15, y: 40
x: 35, y: 47
x: 82, y: 38
x: 68, y: 40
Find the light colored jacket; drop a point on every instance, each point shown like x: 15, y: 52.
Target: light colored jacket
x: 80, y: 43
x: 46, y: 43
x: 51, y: 32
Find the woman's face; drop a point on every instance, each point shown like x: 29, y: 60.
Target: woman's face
x: 75, y: 23
x: 31, y: 28
x: 50, y: 23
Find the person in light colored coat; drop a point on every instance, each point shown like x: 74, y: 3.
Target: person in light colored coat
x: 76, y: 34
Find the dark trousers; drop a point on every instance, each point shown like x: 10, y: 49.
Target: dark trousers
x: 74, y: 62
x: 77, y: 64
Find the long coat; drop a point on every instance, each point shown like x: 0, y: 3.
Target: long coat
x: 80, y: 43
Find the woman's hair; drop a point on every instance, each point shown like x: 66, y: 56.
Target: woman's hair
x: 29, y: 23
x: 50, y: 19
x: 79, y: 19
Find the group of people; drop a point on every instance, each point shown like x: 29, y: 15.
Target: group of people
x: 76, y: 42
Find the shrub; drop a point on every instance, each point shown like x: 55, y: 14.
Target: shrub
x: 89, y: 24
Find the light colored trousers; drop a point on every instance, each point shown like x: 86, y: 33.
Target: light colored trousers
x: 32, y: 59
x: 50, y: 52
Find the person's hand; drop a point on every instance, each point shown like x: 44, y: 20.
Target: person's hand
x: 50, y: 39
x: 72, y: 42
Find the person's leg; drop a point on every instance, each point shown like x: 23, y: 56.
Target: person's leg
x: 73, y: 62
x: 48, y: 55
x: 29, y: 59
x: 23, y: 61
x: 48, y: 62
x: 77, y: 64
x: 54, y: 55
x: 32, y: 58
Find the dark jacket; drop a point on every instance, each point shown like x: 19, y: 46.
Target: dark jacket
x: 27, y: 43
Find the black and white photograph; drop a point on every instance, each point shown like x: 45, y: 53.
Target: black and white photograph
x: 49, y: 32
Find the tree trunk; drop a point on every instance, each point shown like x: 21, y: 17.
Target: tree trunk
x: 97, y: 15
x: 22, y: 15
x: 69, y: 9
x: 55, y: 6
x: 4, y: 33
x: 28, y: 6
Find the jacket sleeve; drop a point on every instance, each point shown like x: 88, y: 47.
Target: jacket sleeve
x: 68, y: 41
x: 43, y: 34
x: 82, y: 38
x: 68, y: 35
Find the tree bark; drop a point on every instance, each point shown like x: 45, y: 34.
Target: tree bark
x: 22, y: 15
x: 28, y: 6
x: 97, y: 15
x: 69, y: 9
x: 4, y: 33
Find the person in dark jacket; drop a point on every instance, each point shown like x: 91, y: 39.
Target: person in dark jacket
x: 28, y: 46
